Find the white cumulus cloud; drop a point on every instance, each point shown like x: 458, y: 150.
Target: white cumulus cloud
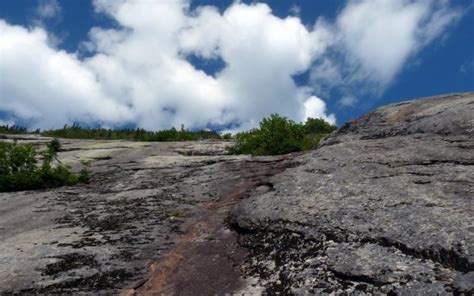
x: 376, y: 38
x: 48, y: 86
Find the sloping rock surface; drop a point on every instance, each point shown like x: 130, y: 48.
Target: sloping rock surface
x: 152, y: 220
x: 385, y: 205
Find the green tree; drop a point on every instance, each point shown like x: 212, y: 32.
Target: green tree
x: 276, y: 135
x: 280, y: 135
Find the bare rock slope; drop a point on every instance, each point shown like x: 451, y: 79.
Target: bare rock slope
x: 384, y: 206
x: 153, y: 220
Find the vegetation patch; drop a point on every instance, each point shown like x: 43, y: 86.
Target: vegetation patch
x: 20, y: 170
x: 280, y: 135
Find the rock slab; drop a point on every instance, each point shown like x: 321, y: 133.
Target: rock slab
x: 385, y: 205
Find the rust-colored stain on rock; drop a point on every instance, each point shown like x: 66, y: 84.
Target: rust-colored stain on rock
x: 206, y: 259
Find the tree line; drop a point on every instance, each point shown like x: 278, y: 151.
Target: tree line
x: 76, y: 131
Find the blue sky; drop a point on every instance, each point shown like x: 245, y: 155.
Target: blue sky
x: 225, y: 64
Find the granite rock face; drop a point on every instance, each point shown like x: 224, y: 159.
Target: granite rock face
x: 152, y: 220
x: 385, y: 205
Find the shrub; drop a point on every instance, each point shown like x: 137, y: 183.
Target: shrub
x: 19, y: 169
x: 15, y: 158
x: 227, y: 136
x: 84, y: 175
x: 280, y: 135
x: 54, y: 146
x: 317, y: 126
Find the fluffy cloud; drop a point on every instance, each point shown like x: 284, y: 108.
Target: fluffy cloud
x: 314, y: 107
x: 375, y: 38
x: 140, y: 72
x: 48, y: 86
